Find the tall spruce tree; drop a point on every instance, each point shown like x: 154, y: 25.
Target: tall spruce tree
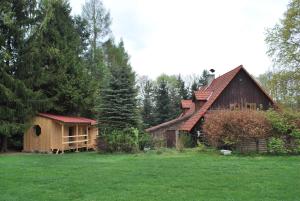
x: 118, y: 108
x: 194, y: 87
x: 183, y: 90
x: 163, y: 107
x: 203, y: 78
x: 17, y: 103
x: 147, y: 108
x: 53, y: 62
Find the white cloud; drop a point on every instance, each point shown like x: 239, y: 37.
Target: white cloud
x: 186, y: 36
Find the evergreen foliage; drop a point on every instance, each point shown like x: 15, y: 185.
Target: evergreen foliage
x: 17, y: 102
x: 163, y: 103
x: 147, y: 107
x: 17, y: 105
x: 203, y: 78
x: 118, y: 108
x: 53, y: 63
x: 183, y: 90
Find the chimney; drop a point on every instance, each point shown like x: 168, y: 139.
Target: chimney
x: 210, y: 76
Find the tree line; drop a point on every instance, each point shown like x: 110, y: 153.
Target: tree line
x: 51, y: 61
x: 160, y: 98
x: 283, y: 43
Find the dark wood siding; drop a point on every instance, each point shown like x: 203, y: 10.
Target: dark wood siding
x: 241, y: 90
x: 171, y: 138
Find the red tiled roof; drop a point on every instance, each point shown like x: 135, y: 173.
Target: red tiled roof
x: 68, y: 119
x: 182, y: 117
x: 215, y: 88
x: 202, y: 95
x: 186, y: 104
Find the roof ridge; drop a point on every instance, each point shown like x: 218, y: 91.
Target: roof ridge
x: 239, y: 67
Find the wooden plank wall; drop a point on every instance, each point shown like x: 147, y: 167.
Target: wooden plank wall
x: 252, y: 146
x: 51, y: 136
x: 241, y: 90
x: 40, y: 143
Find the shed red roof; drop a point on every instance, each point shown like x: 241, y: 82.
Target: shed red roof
x: 68, y: 119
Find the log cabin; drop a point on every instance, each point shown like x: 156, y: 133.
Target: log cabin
x: 54, y: 133
x: 236, y: 89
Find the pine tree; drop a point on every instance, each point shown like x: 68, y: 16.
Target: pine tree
x: 183, y: 91
x: 17, y: 103
x: 147, y: 110
x: 194, y: 87
x: 203, y: 78
x: 163, y: 108
x: 53, y: 60
x: 118, y: 108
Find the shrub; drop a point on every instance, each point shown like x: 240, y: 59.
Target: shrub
x: 125, y: 140
x: 200, y: 147
x: 186, y: 139
x: 286, y: 126
x: 145, y: 140
x: 276, y: 146
x: 228, y: 128
x: 285, y: 122
x: 158, y: 142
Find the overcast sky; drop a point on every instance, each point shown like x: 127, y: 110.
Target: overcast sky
x: 187, y: 36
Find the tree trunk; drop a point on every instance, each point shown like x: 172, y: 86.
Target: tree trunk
x: 3, y: 143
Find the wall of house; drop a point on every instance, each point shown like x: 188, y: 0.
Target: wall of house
x: 93, y: 134
x: 241, y: 90
x: 161, y: 133
x: 40, y: 143
x: 252, y: 145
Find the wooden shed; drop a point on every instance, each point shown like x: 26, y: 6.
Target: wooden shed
x: 55, y: 133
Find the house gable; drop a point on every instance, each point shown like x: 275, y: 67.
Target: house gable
x: 242, y: 92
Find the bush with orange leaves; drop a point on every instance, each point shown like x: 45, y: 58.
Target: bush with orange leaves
x: 228, y: 128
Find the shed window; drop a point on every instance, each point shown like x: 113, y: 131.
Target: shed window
x: 37, y: 130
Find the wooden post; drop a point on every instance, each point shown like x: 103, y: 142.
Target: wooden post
x: 62, y: 138
x: 77, y: 138
x: 87, y: 138
x: 51, y: 142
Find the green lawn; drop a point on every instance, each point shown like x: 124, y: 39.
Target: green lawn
x: 168, y: 176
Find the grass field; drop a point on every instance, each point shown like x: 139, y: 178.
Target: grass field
x: 168, y: 176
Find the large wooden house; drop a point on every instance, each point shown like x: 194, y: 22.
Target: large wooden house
x: 235, y: 89
x: 55, y: 133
